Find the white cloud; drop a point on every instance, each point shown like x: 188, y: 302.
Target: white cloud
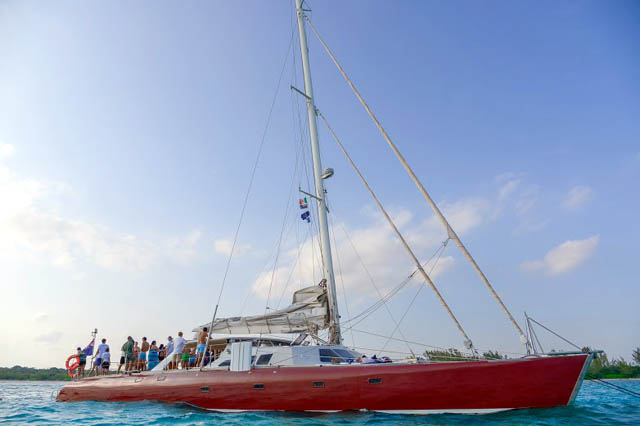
x: 42, y: 316
x: 565, y: 257
x: 223, y: 246
x: 5, y: 150
x: 577, y: 197
x: 376, y: 245
x: 29, y: 230
x: 528, y: 198
x: 49, y: 338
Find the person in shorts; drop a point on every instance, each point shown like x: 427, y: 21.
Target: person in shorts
x: 122, y: 360
x: 127, y: 348
x: 83, y: 362
x: 136, y: 356
x: 185, y: 358
x: 106, y: 361
x: 97, y: 365
x: 179, y: 343
x: 202, y: 344
x: 143, y: 354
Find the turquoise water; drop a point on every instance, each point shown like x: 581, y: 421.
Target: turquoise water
x: 33, y: 403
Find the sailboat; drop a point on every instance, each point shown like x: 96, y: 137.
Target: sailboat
x: 258, y: 373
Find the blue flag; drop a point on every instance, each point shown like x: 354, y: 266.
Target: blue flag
x: 89, y: 349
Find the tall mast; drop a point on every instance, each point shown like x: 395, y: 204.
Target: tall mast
x: 327, y: 263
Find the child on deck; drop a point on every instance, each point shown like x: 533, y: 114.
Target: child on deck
x: 185, y: 359
x: 192, y: 358
x: 106, y: 361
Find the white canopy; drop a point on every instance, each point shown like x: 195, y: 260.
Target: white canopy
x: 308, y: 311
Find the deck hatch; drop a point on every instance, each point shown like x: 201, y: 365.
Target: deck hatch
x: 318, y: 384
x: 375, y: 381
x: 258, y: 386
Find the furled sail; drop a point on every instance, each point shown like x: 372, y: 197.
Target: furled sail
x: 309, y: 311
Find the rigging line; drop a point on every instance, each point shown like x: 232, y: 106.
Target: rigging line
x: 404, y: 242
x: 246, y: 198
x: 613, y: 386
x: 440, y: 252
x: 344, y: 293
x: 556, y: 334
x: 371, y: 309
x: 371, y: 279
x: 290, y: 275
x: 535, y: 336
x: 421, y: 188
x: 428, y: 346
x: 284, y: 221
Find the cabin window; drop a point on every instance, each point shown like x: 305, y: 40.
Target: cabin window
x: 225, y: 363
x: 318, y: 384
x: 375, y: 381
x: 204, y: 389
x: 264, y: 359
x: 346, y: 354
x: 328, y: 355
x: 258, y: 386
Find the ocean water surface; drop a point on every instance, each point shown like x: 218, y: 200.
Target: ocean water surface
x: 33, y: 403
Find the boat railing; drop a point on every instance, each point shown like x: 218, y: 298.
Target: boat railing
x: 115, y: 368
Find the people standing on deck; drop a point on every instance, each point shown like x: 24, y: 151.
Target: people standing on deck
x: 97, y: 363
x: 202, y: 344
x: 106, y: 361
x: 136, y: 356
x: 83, y: 362
x: 170, y: 351
x: 127, y: 348
x: 143, y: 354
x: 122, y: 358
x: 162, y: 353
x: 184, y: 361
x: 192, y: 358
x: 179, y: 343
x: 152, y: 356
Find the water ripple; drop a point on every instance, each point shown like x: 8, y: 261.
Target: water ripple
x: 32, y: 403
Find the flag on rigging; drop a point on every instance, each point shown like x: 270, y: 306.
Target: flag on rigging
x: 303, y: 203
x: 305, y: 216
x: 88, y: 350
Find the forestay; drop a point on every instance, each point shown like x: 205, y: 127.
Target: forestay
x: 308, y: 312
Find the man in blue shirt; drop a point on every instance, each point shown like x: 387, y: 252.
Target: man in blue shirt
x: 97, y: 362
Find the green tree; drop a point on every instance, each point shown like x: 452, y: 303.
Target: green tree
x: 635, y: 355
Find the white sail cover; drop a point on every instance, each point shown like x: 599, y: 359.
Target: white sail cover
x: 308, y: 311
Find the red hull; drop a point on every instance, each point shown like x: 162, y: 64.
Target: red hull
x: 482, y: 386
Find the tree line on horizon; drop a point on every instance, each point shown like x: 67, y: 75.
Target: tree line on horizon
x: 601, y: 367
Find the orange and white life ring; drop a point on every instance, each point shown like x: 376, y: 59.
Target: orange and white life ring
x: 72, y: 366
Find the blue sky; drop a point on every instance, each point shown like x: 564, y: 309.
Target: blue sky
x: 128, y: 133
